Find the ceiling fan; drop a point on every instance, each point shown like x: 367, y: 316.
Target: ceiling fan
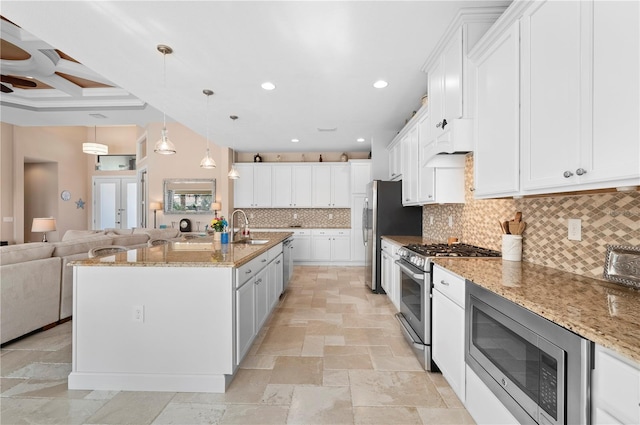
x: 14, y: 81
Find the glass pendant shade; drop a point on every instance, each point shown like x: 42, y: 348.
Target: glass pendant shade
x: 233, y: 174
x: 95, y: 148
x: 207, y: 161
x: 164, y: 145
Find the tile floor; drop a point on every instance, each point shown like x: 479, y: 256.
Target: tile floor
x: 331, y: 353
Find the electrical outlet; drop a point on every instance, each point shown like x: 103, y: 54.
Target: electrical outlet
x: 430, y: 219
x: 330, y: 216
x: 250, y: 215
x: 575, y: 229
x: 295, y: 216
x: 7, y: 219
x: 451, y: 221
x: 138, y: 313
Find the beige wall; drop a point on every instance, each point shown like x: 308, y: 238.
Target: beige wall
x: 7, y: 232
x: 607, y: 218
x: 40, y: 181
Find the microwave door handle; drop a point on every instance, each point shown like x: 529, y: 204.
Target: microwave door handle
x: 407, y: 270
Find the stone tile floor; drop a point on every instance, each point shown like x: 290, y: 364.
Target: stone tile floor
x: 331, y: 353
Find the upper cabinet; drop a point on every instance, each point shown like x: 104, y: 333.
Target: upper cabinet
x: 570, y: 71
x: 360, y: 175
x: 253, y: 188
x: 331, y: 186
x: 450, y: 82
x: 409, y: 143
x: 395, y: 160
x: 294, y: 186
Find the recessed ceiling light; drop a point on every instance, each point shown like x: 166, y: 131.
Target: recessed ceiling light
x: 295, y: 140
x: 380, y: 84
x: 360, y: 140
x: 268, y: 86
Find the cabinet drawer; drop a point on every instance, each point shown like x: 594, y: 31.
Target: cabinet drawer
x: 274, y: 252
x: 451, y: 285
x: 330, y: 232
x: 248, y: 270
x: 616, y: 389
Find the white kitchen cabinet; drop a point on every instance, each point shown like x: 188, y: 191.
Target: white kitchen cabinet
x: 483, y: 405
x: 330, y: 245
x: 580, y: 96
x: 358, y: 252
x: 331, y: 186
x: 262, y: 303
x: 245, y: 319
x: 449, y: 327
x: 360, y: 175
x: 497, y: 125
x: 292, y: 186
x: 443, y: 181
x: 391, y: 272
x: 615, y: 389
x: 253, y: 188
x: 395, y: 160
x: 302, y: 243
x: 410, y: 166
x: 276, y: 279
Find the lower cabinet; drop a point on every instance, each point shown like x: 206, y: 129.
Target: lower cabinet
x: 262, y: 303
x: 448, y: 327
x: 245, y: 319
x: 615, y: 392
x: 330, y: 245
x: 276, y: 276
x: 483, y: 405
x: 302, y: 244
x: 390, y: 272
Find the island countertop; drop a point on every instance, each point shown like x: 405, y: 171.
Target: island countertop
x: 603, y: 312
x: 196, y: 252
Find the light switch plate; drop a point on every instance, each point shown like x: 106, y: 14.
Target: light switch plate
x: 575, y: 229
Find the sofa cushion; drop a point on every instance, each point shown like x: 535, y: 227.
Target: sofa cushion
x: 158, y: 233
x: 114, y: 231
x: 129, y: 240
x: 80, y: 234
x: 78, y: 246
x: 13, y: 254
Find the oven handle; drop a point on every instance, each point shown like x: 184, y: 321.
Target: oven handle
x: 407, y: 331
x: 407, y: 270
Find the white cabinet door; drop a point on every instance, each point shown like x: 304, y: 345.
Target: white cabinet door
x: 261, y: 186
x: 341, y: 248
x: 302, y: 248
x: 321, y: 186
x: 497, y: 149
x: 278, y: 276
x: 243, y: 187
x: 615, y: 388
x: 452, y: 78
x: 282, y: 189
x: 552, y: 79
x: 615, y: 153
x: 410, y: 167
x: 385, y: 271
x: 302, y: 186
x: 357, y: 239
x: 395, y: 161
x: 360, y: 176
x: 261, y: 282
x: 245, y: 319
x: 321, y: 248
x: 436, y: 99
x: 341, y: 186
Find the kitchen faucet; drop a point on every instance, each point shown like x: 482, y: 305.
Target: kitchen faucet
x: 232, y: 222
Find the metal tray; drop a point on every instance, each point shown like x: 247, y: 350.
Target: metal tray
x: 622, y: 265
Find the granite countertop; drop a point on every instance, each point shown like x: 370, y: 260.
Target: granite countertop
x: 195, y: 252
x: 603, y: 312
x: 406, y: 240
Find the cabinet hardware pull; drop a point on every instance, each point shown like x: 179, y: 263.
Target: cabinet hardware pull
x: 259, y: 281
x: 264, y: 260
x: 444, y: 122
x: 248, y: 271
x: 581, y: 171
x: 567, y: 174
x: 444, y: 283
x: 439, y: 124
x: 278, y: 262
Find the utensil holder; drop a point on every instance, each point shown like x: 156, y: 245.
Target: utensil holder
x: 512, y: 247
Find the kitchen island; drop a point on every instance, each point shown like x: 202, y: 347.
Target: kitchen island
x: 175, y: 317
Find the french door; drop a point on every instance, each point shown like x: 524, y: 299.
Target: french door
x: 114, y: 202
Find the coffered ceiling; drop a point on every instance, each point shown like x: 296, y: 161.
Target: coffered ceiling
x: 99, y: 59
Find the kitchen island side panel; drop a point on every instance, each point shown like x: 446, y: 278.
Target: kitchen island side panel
x: 185, y: 332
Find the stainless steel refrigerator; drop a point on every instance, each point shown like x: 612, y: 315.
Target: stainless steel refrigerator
x: 383, y: 214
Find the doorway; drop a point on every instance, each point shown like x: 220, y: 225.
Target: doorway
x: 115, y: 202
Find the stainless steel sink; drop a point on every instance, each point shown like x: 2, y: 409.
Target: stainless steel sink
x: 251, y: 241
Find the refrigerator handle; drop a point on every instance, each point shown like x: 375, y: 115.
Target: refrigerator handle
x: 365, y: 224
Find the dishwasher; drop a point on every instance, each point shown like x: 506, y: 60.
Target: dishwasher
x: 288, y: 261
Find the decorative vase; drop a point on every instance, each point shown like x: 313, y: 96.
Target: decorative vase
x: 344, y: 157
x: 217, y: 236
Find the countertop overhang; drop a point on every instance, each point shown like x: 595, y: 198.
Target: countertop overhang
x: 195, y: 252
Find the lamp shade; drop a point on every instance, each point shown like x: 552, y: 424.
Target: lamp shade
x: 95, y: 148
x: 155, y: 205
x: 47, y: 224
x: 216, y: 206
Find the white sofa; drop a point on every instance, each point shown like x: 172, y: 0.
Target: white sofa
x: 36, y: 286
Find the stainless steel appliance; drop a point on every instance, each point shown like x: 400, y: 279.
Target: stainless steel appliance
x: 415, y: 291
x: 287, y: 247
x: 383, y: 214
x: 540, y: 371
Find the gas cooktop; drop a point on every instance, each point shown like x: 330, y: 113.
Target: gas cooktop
x: 419, y: 255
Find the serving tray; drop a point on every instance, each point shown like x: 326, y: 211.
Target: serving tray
x: 622, y: 265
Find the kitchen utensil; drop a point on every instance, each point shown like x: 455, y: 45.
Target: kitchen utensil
x: 513, y: 227
x: 518, y: 217
x: 523, y: 225
x: 505, y: 227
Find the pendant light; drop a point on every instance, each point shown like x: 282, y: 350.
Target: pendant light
x: 233, y: 173
x: 207, y: 161
x: 164, y: 145
x: 95, y: 148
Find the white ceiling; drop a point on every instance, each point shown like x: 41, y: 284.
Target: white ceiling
x: 323, y: 57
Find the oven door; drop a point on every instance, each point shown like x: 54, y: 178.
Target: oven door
x: 414, y: 297
x: 530, y: 369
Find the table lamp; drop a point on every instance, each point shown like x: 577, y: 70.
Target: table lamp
x: 44, y: 225
x: 155, y: 206
x: 215, y: 207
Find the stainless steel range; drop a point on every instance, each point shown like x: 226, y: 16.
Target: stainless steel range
x: 415, y: 290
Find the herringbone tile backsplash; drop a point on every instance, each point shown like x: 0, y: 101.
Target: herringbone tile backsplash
x: 607, y: 219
